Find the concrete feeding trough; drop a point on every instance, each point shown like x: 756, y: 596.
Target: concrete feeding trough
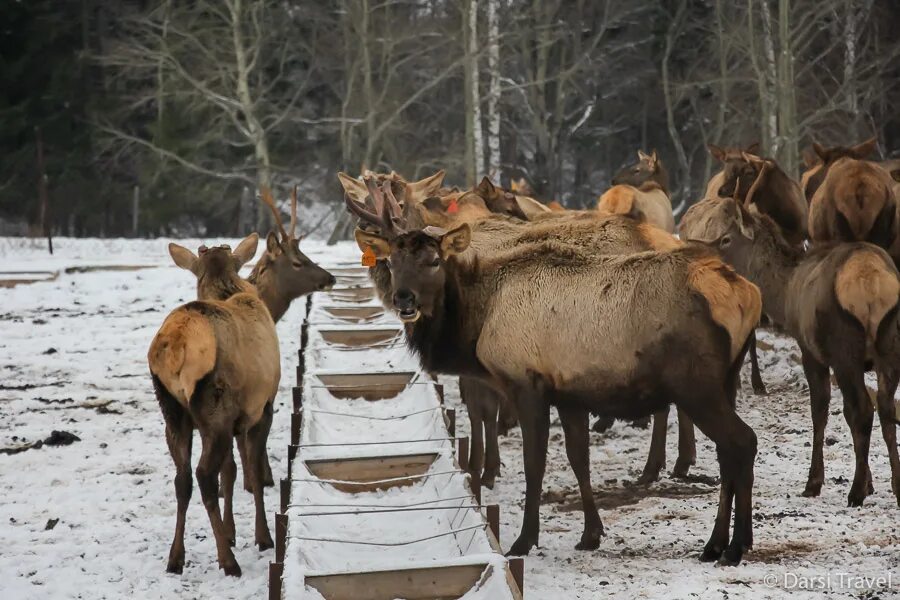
x: 354, y: 314
x: 359, y: 337
x: 368, y: 474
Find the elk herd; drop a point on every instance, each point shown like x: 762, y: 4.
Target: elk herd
x: 604, y: 311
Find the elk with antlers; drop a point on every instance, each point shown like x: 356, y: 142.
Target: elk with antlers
x: 215, y: 366
x: 649, y: 329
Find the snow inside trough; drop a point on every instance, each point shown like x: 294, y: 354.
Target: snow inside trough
x: 94, y: 519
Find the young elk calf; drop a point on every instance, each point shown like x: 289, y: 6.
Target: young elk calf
x: 840, y: 303
x: 215, y: 366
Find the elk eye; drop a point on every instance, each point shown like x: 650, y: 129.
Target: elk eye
x: 435, y: 263
x: 297, y: 265
x: 725, y: 241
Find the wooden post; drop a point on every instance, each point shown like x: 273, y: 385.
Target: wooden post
x: 297, y: 396
x: 296, y: 423
x: 517, y: 568
x: 493, y: 519
x: 292, y: 453
x: 135, y: 205
x: 285, y: 492
x: 308, y: 306
x: 304, y: 335
x: 275, y: 572
x: 439, y: 387
x: 281, y: 522
x: 451, y: 421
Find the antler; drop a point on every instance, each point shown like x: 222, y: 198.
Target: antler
x: 383, y: 211
x: 266, y: 196
x: 757, y: 182
x: 294, y: 212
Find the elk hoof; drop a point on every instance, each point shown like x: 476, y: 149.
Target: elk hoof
x: 855, y: 498
x: 682, y: 468
x: 521, y: 547
x: 759, y: 388
x: 649, y: 475
x: 265, y: 543
x: 231, y: 568
x: 711, y: 553
x: 175, y: 566
x: 812, y: 489
x: 590, y: 540
x: 488, y: 479
x: 732, y: 555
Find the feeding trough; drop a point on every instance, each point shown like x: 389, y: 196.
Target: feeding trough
x: 359, y: 337
x: 370, y: 386
x: 352, y: 294
x: 368, y: 474
x: 354, y: 314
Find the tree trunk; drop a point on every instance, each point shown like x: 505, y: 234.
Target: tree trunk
x: 493, y: 107
x: 42, y: 189
x: 787, y: 109
x: 477, y: 132
x: 684, y: 166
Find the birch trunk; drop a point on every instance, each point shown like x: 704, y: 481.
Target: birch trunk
x: 493, y: 106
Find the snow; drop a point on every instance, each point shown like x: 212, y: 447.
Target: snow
x: 114, y: 496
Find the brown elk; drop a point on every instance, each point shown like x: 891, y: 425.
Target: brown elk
x: 611, y: 237
x: 215, y: 366
x: 725, y: 155
x: 284, y: 273
x: 840, y: 302
x: 495, y: 316
x: 822, y: 159
x: 641, y: 191
x: 774, y: 193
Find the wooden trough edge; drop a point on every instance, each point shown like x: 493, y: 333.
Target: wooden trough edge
x: 421, y: 583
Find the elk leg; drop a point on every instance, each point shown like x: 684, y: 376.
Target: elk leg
x: 578, y: 449
x: 887, y: 386
x: 491, y: 439
x: 736, y: 451
x: 759, y: 388
x: 215, y: 446
x: 268, y: 480
x: 256, y: 454
x: 656, y: 458
x: 819, y: 399
x: 227, y: 477
x: 241, y: 438
x: 687, y: 446
x: 508, y: 418
x: 179, y: 437
x: 472, y: 396
x: 859, y: 414
x: 602, y: 424
x: 534, y: 419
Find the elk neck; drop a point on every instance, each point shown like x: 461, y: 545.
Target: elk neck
x: 770, y: 266
x: 446, y: 340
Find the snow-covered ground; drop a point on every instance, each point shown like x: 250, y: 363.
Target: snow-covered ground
x: 72, y: 357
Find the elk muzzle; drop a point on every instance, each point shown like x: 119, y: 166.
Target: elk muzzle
x: 406, y: 305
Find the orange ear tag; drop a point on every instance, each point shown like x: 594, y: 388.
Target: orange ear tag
x: 368, y: 258
x: 453, y: 208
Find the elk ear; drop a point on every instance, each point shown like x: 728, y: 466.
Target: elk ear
x: 379, y: 246
x: 246, y: 250
x: 820, y: 151
x: 865, y: 149
x: 354, y: 188
x: 642, y: 156
x: 717, y: 152
x: 272, y: 245
x: 486, y: 187
x: 430, y: 186
x: 654, y: 160
x: 752, y: 148
x: 809, y: 159
x: 744, y: 220
x: 456, y: 241
x: 184, y: 258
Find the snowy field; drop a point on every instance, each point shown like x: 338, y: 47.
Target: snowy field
x: 73, y: 358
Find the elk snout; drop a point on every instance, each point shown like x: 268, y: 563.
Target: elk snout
x: 405, y: 303
x: 328, y: 283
